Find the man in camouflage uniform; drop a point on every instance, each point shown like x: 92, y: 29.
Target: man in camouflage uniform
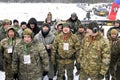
x: 46, y: 37
x: 116, y: 26
x: 113, y: 42
x: 80, y: 32
x: 65, y: 47
x: 74, y: 22
x: 3, y: 29
x: 59, y: 28
x: 30, y: 58
x: 6, y: 49
x: 94, y: 56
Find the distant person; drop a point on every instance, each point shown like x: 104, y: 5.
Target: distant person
x: 88, y: 15
x: 74, y: 22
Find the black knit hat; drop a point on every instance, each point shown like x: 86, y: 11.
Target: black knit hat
x: 15, y: 20
x: 92, y: 24
x: 23, y: 23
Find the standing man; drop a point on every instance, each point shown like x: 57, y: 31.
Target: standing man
x: 30, y: 58
x: 74, y: 22
x: 46, y: 37
x: 94, y: 56
x: 6, y: 49
x: 65, y: 47
x: 3, y: 29
x: 113, y: 44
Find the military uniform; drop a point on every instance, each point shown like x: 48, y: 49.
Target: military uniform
x: 63, y: 53
x: 2, y: 36
x: 30, y: 59
x: 94, y: 56
x: 74, y: 23
x: 7, y: 47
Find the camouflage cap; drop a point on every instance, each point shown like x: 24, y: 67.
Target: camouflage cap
x: 11, y: 28
x: 114, y: 31
x: 66, y: 25
x: 27, y: 31
x: 117, y: 21
x: 6, y: 21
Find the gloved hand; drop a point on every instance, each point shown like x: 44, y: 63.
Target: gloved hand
x: 45, y: 73
x: 15, y: 76
x: 78, y: 68
x: 100, y: 76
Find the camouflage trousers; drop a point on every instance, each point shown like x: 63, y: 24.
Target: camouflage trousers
x: 61, y: 71
x: 118, y: 72
x: 8, y: 73
x: 85, y: 76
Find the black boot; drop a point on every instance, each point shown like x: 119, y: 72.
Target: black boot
x: 64, y: 78
x: 50, y: 79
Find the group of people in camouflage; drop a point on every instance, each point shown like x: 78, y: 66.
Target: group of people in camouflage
x: 29, y: 52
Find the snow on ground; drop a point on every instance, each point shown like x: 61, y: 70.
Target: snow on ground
x: 24, y: 11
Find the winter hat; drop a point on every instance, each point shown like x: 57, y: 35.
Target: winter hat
x: 92, y: 25
x: 6, y: 21
x: 114, y: 31
x: 23, y: 23
x: 117, y: 21
x: 27, y: 31
x: 66, y: 25
x: 74, y: 15
x: 15, y: 20
x: 47, y: 25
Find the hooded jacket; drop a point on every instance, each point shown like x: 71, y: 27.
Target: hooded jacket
x: 33, y: 21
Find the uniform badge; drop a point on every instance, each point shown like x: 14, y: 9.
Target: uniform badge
x: 66, y: 46
x: 10, y: 49
x: 27, y: 59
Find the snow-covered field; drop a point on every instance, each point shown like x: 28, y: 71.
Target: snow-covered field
x: 24, y: 11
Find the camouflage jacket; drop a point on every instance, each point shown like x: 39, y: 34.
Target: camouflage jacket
x: 74, y: 25
x: 2, y: 33
x: 29, y: 60
x: 94, y: 55
x: 62, y: 55
x: 80, y: 36
x: 4, y: 50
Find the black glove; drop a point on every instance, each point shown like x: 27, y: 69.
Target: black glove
x: 100, y: 76
x: 15, y: 76
x: 45, y: 73
x: 78, y: 68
